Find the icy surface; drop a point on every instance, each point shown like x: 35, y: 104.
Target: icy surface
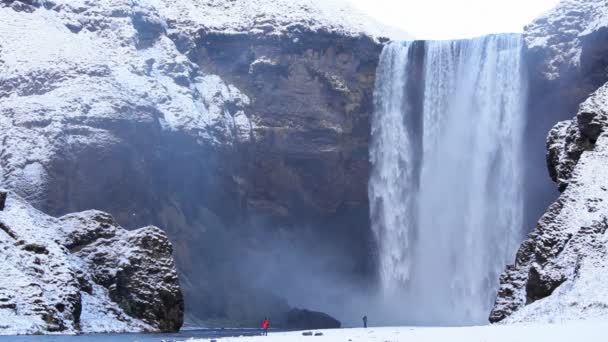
x: 574, y: 331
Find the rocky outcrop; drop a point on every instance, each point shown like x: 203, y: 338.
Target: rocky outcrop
x: 569, y: 139
x: 566, y: 61
x: 84, y: 273
x: 559, y: 272
x: 219, y: 128
x: 298, y: 319
x: 138, y: 270
x: 567, y: 41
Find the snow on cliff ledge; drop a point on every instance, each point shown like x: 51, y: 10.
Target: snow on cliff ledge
x: 561, y: 33
x: 274, y: 17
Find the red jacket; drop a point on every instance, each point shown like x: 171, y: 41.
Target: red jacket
x: 265, y: 324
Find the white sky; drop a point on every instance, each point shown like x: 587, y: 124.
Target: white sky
x: 451, y: 19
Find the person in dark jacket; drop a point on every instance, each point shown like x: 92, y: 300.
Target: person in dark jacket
x: 365, y: 321
x: 265, y: 326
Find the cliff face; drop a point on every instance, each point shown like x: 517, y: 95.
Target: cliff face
x: 83, y: 273
x: 566, y: 51
x: 244, y: 134
x: 559, y: 270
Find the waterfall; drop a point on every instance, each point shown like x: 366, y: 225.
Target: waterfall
x: 446, y: 194
x: 392, y: 182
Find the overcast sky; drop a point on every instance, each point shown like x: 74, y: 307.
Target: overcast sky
x: 450, y: 19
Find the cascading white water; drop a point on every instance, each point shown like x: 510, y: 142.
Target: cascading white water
x: 391, y: 182
x: 446, y: 202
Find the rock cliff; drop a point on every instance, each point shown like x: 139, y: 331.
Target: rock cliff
x: 83, y: 273
x: 239, y: 127
x: 565, y: 54
x: 559, y: 272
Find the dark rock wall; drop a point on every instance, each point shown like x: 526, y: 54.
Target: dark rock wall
x: 311, y: 97
x: 305, y: 174
x: 299, y: 182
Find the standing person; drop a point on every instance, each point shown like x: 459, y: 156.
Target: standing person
x: 365, y: 321
x: 265, y: 327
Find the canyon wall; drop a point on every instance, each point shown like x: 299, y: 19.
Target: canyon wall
x: 241, y: 128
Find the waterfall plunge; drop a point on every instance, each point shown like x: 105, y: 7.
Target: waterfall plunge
x: 446, y: 185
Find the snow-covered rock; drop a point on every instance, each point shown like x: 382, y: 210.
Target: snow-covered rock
x: 83, y: 273
x: 73, y: 73
x: 273, y: 17
x: 560, y: 270
x: 562, y: 34
x: 566, y: 63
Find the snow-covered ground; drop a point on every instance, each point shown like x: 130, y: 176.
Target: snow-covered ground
x: 567, y: 331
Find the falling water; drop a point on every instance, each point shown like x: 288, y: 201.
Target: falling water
x: 391, y: 182
x: 446, y: 201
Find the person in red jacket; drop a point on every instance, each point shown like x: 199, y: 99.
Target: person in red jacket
x: 265, y: 327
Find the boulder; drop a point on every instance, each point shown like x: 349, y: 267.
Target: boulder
x: 83, y: 273
x: 301, y: 319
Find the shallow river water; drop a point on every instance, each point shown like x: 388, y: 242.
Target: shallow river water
x: 181, y: 336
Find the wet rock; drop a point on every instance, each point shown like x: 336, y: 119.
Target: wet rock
x: 299, y: 319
